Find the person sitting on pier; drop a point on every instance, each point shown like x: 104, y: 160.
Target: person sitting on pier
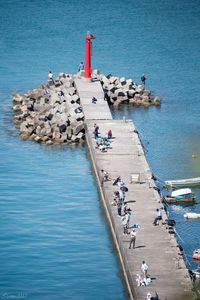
x: 120, y: 183
x: 117, y: 202
x: 94, y: 100
x: 61, y: 93
x: 146, y: 281
x: 144, y: 268
x: 100, y: 146
x: 109, y: 133
x: 139, y: 280
x: 158, y: 216
x: 105, y: 142
x: 102, y: 143
x: 105, y: 176
x: 115, y: 199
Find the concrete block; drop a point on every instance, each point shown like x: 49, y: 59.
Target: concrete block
x: 79, y: 127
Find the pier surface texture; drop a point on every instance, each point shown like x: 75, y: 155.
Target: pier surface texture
x: 154, y: 244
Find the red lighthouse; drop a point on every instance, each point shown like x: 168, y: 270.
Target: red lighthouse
x: 88, y: 69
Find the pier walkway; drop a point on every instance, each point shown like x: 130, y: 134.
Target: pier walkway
x: 154, y: 244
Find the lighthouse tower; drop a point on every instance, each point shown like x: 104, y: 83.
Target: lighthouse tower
x: 88, y: 68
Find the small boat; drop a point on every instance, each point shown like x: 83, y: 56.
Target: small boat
x: 191, y: 215
x: 195, y: 274
x: 180, y: 196
x: 196, y: 254
x: 183, y: 182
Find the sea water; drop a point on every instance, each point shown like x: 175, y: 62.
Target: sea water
x: 54, y: 240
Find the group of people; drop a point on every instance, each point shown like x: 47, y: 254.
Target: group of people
x: 102, y: 142
x: 124, y: 211
x: 50, y: 74
x: 145, y: 280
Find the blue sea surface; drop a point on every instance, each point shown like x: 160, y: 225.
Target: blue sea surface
x: 54, y: 239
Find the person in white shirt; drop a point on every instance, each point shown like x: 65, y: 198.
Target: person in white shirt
x: 144, y: 268
x: 158, y: 216
x: 133, y: 238
x: 50, y: 75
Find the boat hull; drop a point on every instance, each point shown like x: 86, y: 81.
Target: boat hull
x: 192, y: 216
x: 196, y: 254
x: 183, y: 182
x: 173, y: 200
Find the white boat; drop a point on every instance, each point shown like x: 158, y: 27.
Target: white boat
x: 183, y: 182
x: 191, y: 215
x: 196, y: 254
x: 195, y: 276
x: 180, y: 196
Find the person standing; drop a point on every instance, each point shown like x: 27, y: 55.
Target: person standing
x: 109, y: 133
x: 81, y: 66
x: 50, y: 75
x: 119, y: 207
x: 125, y: 224
x: 143, y: 80
x: 96, y: 131
x: 133, y: 238
x: 121, y: 195
x: 128, y: 216
x: 158, y: 217
x: 144, y: 268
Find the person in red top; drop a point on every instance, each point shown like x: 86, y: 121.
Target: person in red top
x: 109, y: 134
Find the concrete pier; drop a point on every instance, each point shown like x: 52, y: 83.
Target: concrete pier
x: 154, y: 244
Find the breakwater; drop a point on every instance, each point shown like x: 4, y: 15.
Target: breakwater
x: 121, y: 90
x: 154, y: 244
x: 126, y: 158
x: 52, y: 114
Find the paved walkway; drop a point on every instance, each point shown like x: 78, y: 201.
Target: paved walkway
x: 153, y: 243
x: 87, y: 90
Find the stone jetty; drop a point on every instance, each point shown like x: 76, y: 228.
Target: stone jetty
x: 121, y: 90
x: 156, y: 245
x: 61, y: 111
x: 52, y: 114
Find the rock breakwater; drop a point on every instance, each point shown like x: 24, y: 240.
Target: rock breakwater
x: 121, y: 90
x: 51, y: 113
